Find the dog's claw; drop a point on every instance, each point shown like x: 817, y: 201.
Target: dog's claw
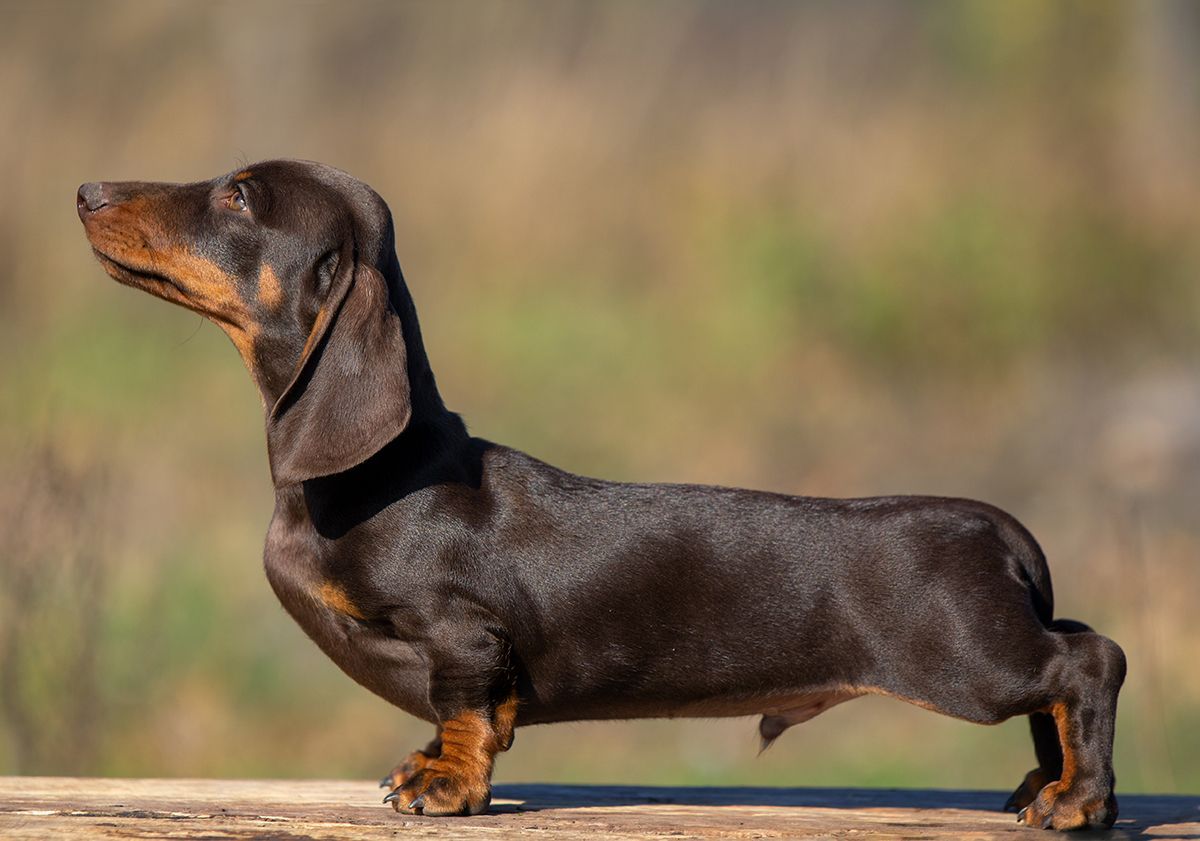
x: 1046, y: 821
x: 391, y: 797
x: 386, y: 782
x: 419, y: 803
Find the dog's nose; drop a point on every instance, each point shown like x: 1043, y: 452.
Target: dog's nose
x: 91, y: 197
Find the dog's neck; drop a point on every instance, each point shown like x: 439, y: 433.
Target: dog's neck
x: 434, y: 446
x: 424, y: 455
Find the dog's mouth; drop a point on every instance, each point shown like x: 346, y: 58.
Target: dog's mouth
x: 168, y: 288
x: 135, y: 250
x: 148, y: 280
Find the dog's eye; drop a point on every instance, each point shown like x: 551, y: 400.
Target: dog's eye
x: 237, y: 199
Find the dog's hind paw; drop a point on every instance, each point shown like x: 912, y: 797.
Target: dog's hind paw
x: 1027, y: 791
x: 1056, y: 807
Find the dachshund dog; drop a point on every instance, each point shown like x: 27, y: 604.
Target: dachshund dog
x: 482, y: 590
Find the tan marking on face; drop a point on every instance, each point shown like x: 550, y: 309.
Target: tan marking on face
x: 335, y: 599
x: 131, y: 235
x: 242, y: 176
x: 270, y: 290
x: 213, y: 293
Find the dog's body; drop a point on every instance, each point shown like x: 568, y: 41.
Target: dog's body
x: 613, y: 600
x: 480, y: 589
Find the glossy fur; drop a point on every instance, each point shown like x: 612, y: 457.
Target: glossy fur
x: 480, y: 589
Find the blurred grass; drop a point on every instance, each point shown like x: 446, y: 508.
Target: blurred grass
x: 811, y: 247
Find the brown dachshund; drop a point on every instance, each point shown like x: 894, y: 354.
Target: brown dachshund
x: 481, y: 590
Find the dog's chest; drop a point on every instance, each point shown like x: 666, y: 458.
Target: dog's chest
x: 362, y: 648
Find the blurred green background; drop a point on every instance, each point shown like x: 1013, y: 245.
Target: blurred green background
x: 827, y: 248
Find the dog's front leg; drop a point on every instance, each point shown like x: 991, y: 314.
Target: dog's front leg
x: 471, y: 691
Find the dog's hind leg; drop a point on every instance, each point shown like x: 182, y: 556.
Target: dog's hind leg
x: 1083, y: 681
x: 1046, y: 746
x: 1049, y: 756
x: 1065, y: 678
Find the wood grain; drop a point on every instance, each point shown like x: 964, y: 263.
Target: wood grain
x: 217, y: 810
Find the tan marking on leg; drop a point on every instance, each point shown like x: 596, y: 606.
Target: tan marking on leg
x: 335, y: 599
x: 414, y: 763
x: 1063, y: 719
x: 468, y: 743
x: 1057, y: 806
x: 505, y: 719
x: 458, y: 781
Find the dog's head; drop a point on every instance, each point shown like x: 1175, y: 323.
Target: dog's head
x: 295, y: 262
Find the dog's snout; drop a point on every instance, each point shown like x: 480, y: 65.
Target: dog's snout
x: 92, y: 197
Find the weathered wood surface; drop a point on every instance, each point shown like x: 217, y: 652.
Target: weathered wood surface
x: 217, y: 810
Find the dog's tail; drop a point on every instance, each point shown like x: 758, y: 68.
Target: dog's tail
x: 1031, y: 568
x: 1034, y: 571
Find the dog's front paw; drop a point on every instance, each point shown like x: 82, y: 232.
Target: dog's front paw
x: 412, y: 765
x: 1061, y: 808
x: 438, y: 791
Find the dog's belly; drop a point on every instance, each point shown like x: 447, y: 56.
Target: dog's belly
x: 779, y: 710
x: 792, y: 708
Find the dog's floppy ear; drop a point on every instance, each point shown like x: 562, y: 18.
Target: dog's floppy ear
x: 350, y: 395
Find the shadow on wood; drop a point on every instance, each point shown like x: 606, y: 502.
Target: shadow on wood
x: 535, y: 797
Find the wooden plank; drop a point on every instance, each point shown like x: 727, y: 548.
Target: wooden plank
x: 69, y: 808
